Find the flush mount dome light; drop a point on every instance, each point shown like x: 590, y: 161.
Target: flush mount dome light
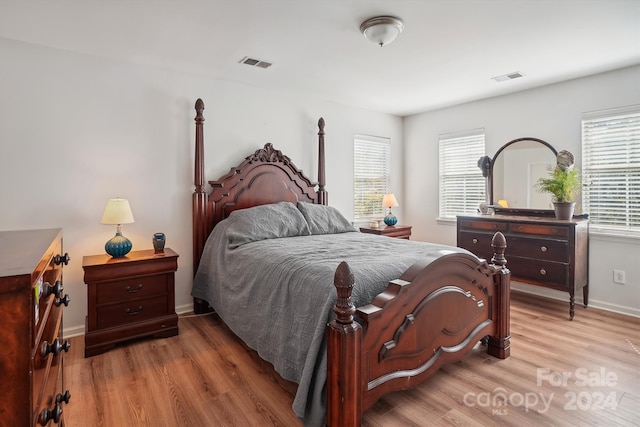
x: 382, y: 30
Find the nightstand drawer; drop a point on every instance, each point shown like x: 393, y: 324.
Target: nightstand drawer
x: 126, y: 290
x: 131, y: 311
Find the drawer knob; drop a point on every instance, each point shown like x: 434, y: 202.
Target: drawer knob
x: 543, y: 248
x: 475, y: 241
x: 63, y: 397
x: 65, y: 300
x: 133, y: 291
x: 52, y: 289
x: 543, y: 271
x: 62, y: 259
x: 134, y: 312
x: 50, y: 415
x: 54, y: 348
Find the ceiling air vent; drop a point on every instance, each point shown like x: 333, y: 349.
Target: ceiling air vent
x: 510, y: 76
x: 255, y: 62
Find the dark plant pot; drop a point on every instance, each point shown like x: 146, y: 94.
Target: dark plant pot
x: 564, y: 210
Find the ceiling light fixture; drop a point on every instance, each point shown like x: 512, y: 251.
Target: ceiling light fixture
x: 382, y: 30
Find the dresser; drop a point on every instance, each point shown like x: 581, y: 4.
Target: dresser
x: 129, y: 297
x: 541, y: 251
x: 32, y: 301
x: 397, y: 231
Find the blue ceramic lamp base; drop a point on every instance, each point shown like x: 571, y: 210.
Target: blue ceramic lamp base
x: 118, y: 246
x: 390, y: 219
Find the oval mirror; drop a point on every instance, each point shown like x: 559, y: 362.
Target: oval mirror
x: 514, y: 171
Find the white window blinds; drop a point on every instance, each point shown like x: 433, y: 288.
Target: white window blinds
x: 462, y: 186
x: 372, y: 176
x: 611, y: 169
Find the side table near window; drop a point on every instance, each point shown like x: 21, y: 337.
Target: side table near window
x: 129, y: 297
x: 397, y: 231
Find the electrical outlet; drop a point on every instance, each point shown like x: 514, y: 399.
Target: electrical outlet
x: 619, y: 277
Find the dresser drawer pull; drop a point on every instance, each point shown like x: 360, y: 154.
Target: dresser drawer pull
x: 52, y: 289
x: 54, y: 348
x: 133, y: 291
x: 134, y: 312
x: 63, y: 397
x: 543, y: 248
x: 65, y: 300
x: 50, y: 415
x: 543, y: 271
x: 62, y: 259
x: 475, y: 241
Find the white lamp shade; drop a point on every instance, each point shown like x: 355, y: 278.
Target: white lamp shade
x: 117, y: 211
x: 389, y: 201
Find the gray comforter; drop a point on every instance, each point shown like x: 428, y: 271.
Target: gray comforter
x: 277, y: 294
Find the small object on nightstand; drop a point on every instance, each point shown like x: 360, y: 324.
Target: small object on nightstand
x: 158, y: 243
x: 117, y: 212
x: 389, y: 201
x: 374, y: 224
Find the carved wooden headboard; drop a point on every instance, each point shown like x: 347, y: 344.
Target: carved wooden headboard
x: 266, y: 176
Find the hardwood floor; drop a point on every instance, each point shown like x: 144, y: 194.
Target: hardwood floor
x: 560, y: 373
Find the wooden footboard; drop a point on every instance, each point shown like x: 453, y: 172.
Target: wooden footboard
x: 435, y: 313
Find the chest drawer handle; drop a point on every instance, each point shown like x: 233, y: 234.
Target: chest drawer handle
x: 65, y: 300
x: 543, y: 248
x: 543, y: 271
x: 475, y: 241
x: 50, y: 415
x: 55, y: 348
x: 63, y: 397
x: 133, y: 291
x: 134, y: 312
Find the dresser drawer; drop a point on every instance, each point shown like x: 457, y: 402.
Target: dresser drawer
x: 128, y: 289
x: 50, y: 331
x: 539, y: 229
x: 131, y: 311
x: 541, y: 249
x: 52, y: 387
x: 477, y: 243
x: 478, y: 224
x: 546, y: 272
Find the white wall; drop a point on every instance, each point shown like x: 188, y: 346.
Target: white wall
x: 552, y: 113
x: 76, y: 130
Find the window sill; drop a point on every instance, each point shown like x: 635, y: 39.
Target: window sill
x: 610, y: 236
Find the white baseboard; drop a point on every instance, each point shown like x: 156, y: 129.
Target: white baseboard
x: 74, y: 331
x: 564, y: 296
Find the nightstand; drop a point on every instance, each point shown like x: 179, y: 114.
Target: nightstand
x: 129, y: 297
x: 397, y: 231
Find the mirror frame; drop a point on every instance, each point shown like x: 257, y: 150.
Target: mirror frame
x: 486, y: 165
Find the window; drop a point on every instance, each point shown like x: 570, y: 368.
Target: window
x: 462, y: 186
x: 372, y: 176
x: 611, y: 169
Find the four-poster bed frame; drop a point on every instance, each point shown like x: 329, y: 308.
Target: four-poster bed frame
x: 435, y: 313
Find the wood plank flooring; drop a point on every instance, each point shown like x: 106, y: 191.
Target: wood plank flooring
x: 560, y: 373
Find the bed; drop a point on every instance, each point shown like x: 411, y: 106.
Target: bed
x: 282, y: 267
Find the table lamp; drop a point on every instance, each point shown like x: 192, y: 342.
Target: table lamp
x: 118, y: 212
x: 389, y: 201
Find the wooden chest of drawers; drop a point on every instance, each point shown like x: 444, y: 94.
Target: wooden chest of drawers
x: 129, y: 297
x: 540, y: 251
x: 31, y: 306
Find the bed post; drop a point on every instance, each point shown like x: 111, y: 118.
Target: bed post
x: 199, y: 194
x: 322, y: 193
x: 344, y: 370
x: 499, y: 344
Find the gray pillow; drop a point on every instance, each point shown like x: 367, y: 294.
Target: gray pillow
x: 265, y: 222
x: 324, y: 219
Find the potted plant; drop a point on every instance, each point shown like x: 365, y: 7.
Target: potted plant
x: 563, y: 184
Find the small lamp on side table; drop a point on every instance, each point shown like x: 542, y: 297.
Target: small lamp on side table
x: 389, y: 201
x: 117, y: 212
